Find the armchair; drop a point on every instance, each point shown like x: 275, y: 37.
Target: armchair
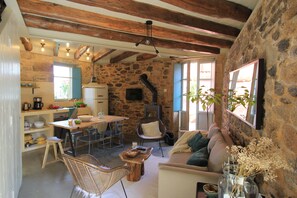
x: 91, y: 177
x: 155, y: 132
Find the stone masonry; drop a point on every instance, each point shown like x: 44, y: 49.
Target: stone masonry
x: 270, y: 33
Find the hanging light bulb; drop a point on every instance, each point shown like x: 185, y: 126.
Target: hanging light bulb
x: 88, y: 56
x: 148, y: 39
x: 67, y: 53
x: 42, y: 45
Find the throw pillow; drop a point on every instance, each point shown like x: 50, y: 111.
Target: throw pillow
x: 197, y: 142
x: 199, y: 158
x: 151, y: 129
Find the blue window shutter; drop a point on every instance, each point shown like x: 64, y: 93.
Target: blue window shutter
x: 76, y: 82
x: 177, y: 87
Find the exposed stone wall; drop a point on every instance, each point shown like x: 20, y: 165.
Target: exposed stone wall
x: 121, y: 76
x: 270, y: 33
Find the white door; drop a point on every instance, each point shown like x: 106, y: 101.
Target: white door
x: 196, y: 74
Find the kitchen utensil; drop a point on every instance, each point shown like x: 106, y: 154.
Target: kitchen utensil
x: 37, y: 103
x: 26, y: 106
x: 38, y: 124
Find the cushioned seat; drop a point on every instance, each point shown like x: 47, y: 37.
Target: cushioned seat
x: 151, y: 129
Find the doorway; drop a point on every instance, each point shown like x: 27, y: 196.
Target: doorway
x: 194, y: 75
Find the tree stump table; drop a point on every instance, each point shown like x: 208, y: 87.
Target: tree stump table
x: 136, y: 163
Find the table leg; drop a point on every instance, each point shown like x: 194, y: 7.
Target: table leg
x: 135, y: 173
x: 71, y: 142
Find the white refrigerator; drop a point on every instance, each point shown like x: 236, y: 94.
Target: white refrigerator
x: 96, y: 97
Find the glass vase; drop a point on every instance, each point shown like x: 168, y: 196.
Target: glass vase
x: 232, y: 186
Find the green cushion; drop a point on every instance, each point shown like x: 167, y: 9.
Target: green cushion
x: 197, y: 142
x: 199, y: 158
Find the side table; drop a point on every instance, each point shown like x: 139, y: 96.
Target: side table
x: 136, y: 163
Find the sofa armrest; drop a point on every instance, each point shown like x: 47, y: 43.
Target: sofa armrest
x: 176, y: 181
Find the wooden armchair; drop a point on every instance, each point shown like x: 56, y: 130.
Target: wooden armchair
x: 91, y: 177
x: 143, y: 136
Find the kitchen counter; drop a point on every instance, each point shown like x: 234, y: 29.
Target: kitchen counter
x: 35, y: 112
x: 81, y: 111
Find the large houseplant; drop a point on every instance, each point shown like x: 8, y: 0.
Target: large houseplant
x: 207, y: 97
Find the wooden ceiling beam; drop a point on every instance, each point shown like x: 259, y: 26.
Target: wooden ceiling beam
x: 214, y: 8
x: 60, y: 12
x: 122, y: 56
x: 27, y: 43
x: 143, y: 57
x: 101, y: 54
x: 80, y: 51
x: 62, y: 26
x: 148, y: 11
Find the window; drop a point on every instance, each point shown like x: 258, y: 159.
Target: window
x: 193, y: 75
x: 67, y: 82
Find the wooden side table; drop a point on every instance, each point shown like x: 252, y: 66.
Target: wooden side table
x: 136, y: 164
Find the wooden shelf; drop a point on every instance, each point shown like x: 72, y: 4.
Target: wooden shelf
x: 34, y: 146
x: 35, y: 130
x: 33, y: 116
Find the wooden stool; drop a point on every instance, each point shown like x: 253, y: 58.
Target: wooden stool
x: 52, y: 141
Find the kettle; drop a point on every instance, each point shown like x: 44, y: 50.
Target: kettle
x: 26, y: 106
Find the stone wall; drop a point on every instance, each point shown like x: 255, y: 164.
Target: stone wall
x: 121, y: 76
x: 270, y: 33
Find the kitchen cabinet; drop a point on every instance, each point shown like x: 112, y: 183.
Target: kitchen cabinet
x: 46, y: 131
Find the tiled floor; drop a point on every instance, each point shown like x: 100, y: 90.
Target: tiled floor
x: 54, y: 181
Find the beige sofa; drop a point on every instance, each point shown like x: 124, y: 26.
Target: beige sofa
x: 178, y: 180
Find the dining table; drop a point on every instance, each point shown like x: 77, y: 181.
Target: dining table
x: 71, y: 126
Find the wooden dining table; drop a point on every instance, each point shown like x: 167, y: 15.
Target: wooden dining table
x: 64, y: 124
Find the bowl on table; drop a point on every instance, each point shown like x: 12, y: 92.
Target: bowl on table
x: 39, y: 124
x: 85, y: 118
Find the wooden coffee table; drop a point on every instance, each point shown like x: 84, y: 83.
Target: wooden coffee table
x: 136, y: 163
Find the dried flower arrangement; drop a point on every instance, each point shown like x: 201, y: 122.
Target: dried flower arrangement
x: 261, y: 156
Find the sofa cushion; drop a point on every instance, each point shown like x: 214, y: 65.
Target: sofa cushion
x: 212, y: 131
x: 213, y: 140
x: 179, y: 158
x: 151, y: 129
x: 217, y: 156
x: 197, y: 142
x: 199, y: 158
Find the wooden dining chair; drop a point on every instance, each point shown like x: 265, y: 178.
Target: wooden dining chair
x: 90, y: 177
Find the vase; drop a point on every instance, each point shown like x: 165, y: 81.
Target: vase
x: 232, y: 186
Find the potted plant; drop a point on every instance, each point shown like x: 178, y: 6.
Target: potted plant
x: 207, y: 97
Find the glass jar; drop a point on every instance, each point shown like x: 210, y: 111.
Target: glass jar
x: 232, y: 186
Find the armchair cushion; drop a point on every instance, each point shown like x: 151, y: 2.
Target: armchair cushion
x: 199, y: 158
x: 151, y: 129
x: 197, y: 142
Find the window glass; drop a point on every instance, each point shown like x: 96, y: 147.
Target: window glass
x: 205, y: 70
x: 62, y: 82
